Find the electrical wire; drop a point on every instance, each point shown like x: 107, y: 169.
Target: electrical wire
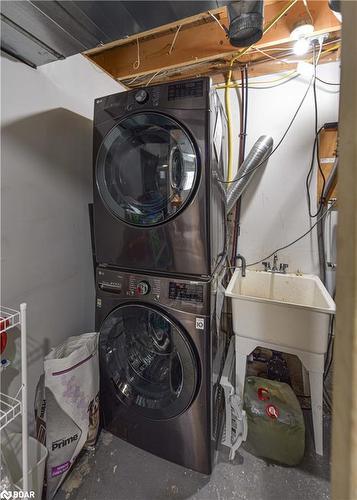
x: 326, y: 83
x: 329, y: 353
x: 280, y: 14
x: 242, y: 146
x: 234, y: 84
x: 246, y: 111
x: 308, y: 11
x: 277, y: 146
x: 285, y: 61
x: 316, y: 147
x: 153, y: 76
x: 296, y: 240
x: 309, y: 175
x: 174, y: 39
x: 227, y: 102
x: 132, y: 80
x: 287, y: 80
x: 218, y: 22
x: 136, y: 64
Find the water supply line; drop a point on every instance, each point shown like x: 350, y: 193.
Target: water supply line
x: 261, y: 150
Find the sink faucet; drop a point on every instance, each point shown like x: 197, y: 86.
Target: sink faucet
x: 275, y: 264
x: 244, y: 263
x: 275, y: 269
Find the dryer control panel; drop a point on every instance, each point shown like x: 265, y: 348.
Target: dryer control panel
x: 191, y: 296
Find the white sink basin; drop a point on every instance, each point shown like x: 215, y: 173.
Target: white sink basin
x: 285, y: 309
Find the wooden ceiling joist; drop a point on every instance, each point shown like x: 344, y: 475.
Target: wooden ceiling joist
x: 199, y: 45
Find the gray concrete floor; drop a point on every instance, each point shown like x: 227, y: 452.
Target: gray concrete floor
x: 117, y: 470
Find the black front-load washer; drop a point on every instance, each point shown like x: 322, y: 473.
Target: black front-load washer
x: 159, y: 155
x: 157, y: 341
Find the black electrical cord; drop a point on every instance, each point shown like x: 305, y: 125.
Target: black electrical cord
x: 330, y: 361
x: 315, y: 151
x: 329, y: 354
x: 327, y: 83
x: 296, y: 240
x: 277, y: 146
x: 309, y: 174
x: 246, y: 109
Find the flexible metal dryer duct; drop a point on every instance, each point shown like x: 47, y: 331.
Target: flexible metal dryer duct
x: 261, y: 149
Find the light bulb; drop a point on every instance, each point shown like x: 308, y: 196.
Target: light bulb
x: 301, y: 46
x: 301, y: 30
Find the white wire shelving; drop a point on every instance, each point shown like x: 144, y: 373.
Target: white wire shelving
x: 12, y: 407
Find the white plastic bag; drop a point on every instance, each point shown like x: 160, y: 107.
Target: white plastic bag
x: 67, y: 405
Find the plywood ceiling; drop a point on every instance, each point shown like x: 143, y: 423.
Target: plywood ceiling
x: 198, y: 46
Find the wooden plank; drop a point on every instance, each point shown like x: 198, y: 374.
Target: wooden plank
x: 328, y: 153
x: 217, y: 71
x: 156, y: 32
x: 199, y: 40
x: 344, y: 432
x: 154, y: 51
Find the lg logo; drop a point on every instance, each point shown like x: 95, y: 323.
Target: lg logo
x: 200, y: 324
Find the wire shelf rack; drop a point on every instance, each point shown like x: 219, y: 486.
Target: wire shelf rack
x: 9, y: 318
x: 10, y: 408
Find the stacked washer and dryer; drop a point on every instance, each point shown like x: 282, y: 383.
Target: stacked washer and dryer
x: 160, y: 243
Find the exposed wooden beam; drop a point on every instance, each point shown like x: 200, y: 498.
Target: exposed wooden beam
x: 200, y: 42
x: 344, y: 417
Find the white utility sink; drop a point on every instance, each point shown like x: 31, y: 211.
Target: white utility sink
x: 285, y: 309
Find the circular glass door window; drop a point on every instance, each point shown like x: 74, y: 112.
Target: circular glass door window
x: 149, y: 360
x: 146, y: 169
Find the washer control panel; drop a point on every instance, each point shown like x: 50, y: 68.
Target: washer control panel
x: 141, y: 96
x: 186, y: 295
x: 188, y: 292
x: 143, y: 288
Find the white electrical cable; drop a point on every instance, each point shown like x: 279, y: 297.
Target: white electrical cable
x: 217, y: 21
x: 136, y: 64
x: 174, y: 40
x: 153, y: 76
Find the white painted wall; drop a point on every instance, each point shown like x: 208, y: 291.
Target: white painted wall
x: 274, y: 207
x: 46, y: 175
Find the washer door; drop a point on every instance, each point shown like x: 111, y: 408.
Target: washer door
x: 149, y: 360
x: 146, y: 169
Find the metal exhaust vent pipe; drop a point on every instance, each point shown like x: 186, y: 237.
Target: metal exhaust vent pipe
x: 261, y: 149
x: 245, y: 22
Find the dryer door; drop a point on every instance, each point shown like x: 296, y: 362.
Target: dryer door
x: 146, y: 169
x: 149, y: 360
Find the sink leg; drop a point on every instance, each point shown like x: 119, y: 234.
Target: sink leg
x: 241, y: 365
x: 305, y: 380
x: 316, y: 387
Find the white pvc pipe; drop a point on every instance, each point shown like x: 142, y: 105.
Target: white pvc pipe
x: 25, y: 438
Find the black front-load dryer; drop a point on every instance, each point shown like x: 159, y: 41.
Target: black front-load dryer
x: 156, y: 345
x: 159, y: 155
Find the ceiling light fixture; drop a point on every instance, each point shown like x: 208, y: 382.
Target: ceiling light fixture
x: 301, y: 46
x: 302, y: 30
x: 300, y: 33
